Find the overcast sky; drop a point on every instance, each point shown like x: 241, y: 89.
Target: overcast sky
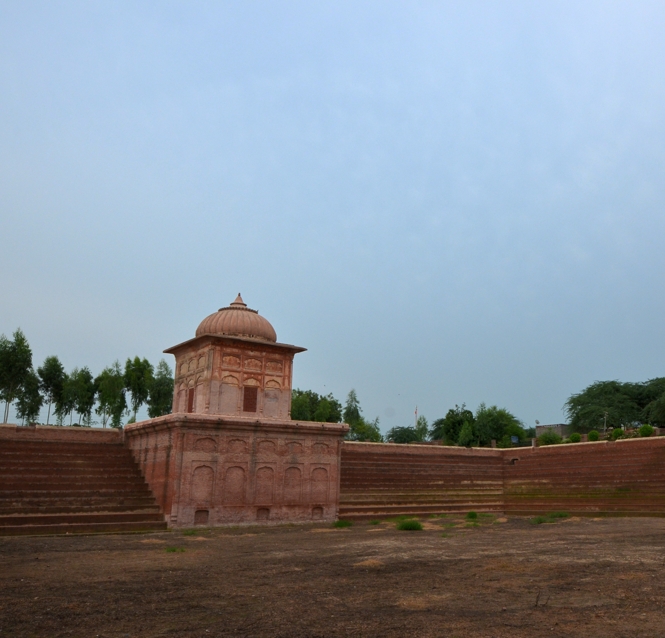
x: 445, y: 202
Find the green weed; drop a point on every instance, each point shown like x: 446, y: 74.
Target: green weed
x: 552, y: 517
x: 189, y: 532
x: 471, y: 516
x: 375, y: 522
x: 409, y: 525
x: 342, y: 523
x: 172, y: 550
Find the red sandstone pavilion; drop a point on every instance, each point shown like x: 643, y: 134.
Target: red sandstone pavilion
x: 229, y: 453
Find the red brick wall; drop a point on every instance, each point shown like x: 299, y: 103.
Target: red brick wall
x: 616, y: 478
x: 380, y: 479
x: 622, y: 477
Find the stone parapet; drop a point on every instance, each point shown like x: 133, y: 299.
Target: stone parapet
x: 64, y: 434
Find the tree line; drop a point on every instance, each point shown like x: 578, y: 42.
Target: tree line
x: 114, y: 393
x: 605, y: 405
x: 459, y: 426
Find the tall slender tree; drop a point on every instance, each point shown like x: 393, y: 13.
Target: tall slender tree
x: 29, y: 401
x: 51, y: 376
x: 111, y: 395
x: 138, y: 378
x: 15, y: 365
x: 84, y: 395
x: 160, y: 392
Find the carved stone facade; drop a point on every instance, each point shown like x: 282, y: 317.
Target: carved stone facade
x: 207, y: 470
x: 229, y: 453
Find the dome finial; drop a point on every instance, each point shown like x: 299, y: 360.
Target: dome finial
x: 239, y: 302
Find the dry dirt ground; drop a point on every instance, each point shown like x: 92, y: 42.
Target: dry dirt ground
x: 575, y: 577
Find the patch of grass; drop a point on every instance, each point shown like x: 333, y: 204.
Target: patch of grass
x: 444, y: 535
x: 409, y: 525
x: 471, y: 516
x: 172, y: 550
x: 342, y: 523
x: 449, y: 524
x: 437, y: 515
x: 375, y: 522
x: 472, y: 525
x: 552, y: 517
x: 189, y: 532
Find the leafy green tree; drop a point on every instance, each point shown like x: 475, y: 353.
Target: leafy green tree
x: 468, y: 436
x: 51, y: 376
x: 66, y: 402
x: 360, y: 429
x: 83, y: 386
x: 409, y: 434
x: 307, y: 405
x: 402, y: 434
x: 138, y: 379
x: 614, y: 404
x: 29, y: 401
x: 110, y: 386
x: 15, y: 365
x: 352, y: 409
x: 160, y: 395
x: 449, y: 427
x: 495, y: 423
x: 421, y: 428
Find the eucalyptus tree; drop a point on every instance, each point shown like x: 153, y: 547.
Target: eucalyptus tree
x: 52, y: 377
x: 84, y: 395
x: 110, y: 386
x: 29, y: 401
x: 160, y: 392
x: 15, y: 365
x: 138, y: 378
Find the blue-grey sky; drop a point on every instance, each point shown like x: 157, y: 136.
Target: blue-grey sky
x: 445, y: 202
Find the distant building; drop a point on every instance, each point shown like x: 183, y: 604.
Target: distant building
x: 562, y: 429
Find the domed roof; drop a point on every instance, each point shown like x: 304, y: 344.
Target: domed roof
x: 237, y: 320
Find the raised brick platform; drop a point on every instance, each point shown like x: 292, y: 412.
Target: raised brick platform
x: 64, y: 480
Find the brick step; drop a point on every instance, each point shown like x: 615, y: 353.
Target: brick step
x: 436, y: 496
x: 60, y: 508
x: 75, y: 493
x: 12, y: 448
x: 576, y: 512
x: 83, y: 528
x: 459, y: 506
x: 69, y: 468
x: 80, y: 474
x: 60, y: 518
x: 420, y: 486
x: 416, y: 511
x: 73, y: 482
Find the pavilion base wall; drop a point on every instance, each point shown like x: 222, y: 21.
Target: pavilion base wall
x: 209, y: 470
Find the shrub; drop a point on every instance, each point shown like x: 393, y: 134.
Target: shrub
x: 472, y: 516
x: 409, y: 525
x: 342, y: 523
x: 616, y: 433
x: 575, y: 437
x: 566, y: 441
x: 548, y: 518
x: 646, y: 430
x: 549, y: 437
x: 593, y: 435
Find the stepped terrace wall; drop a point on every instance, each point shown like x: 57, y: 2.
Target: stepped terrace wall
x: 625, y: 477
x: 388, y: 479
